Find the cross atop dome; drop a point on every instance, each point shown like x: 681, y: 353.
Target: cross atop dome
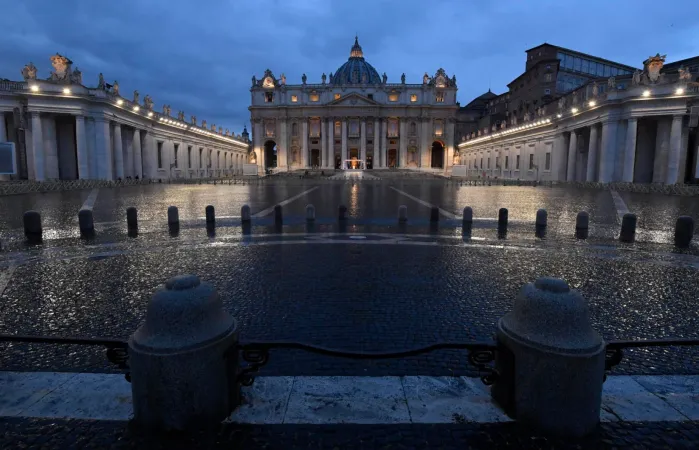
x: 356, y: 51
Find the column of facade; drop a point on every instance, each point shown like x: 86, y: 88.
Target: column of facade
x: 377, y: 142
x: 3, y: 127
x: 362, y: 144
x: 331, y: 144
x: 38, y: 147
x: 283, y: 146
x: 630, y: 150
x: 118, y: 152
x: 572, y: 155
x: 384, y: 141
x: 592, y: 154
x: 425, y: 134
x: 258, y: 140
x: 662, y: 145
x: 103, y: 150
x: 304, y: 143
x: 449, y: 149
x: 608, y: 151
x: 81, y: 148
x: 344, y: 144
x: 402, y: 143
x: 50, y: 147
x: 675, y: 150
x: 323, y: 143
x: 137, y: 154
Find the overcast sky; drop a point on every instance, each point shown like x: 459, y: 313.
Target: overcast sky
x: 200, y: 56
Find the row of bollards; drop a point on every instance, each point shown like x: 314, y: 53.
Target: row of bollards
x: 684, y: 226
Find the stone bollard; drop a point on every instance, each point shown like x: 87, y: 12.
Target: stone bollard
x: 310, y: 213
x: 467, y: 220
x: 628, y: 228
x: 541, y: 222
x: 402, y: 214
x: 582, y: 223
x: 434, y: 214
x: 86, y: 222
x: 502, y: 221
x: 684, y: 231
x: 210, y: 215
x: 245, y: 214
x: 278, y: 219
x: 342, y: 212
x: 32, y: 225
x: 131, y: 218
x: 551, y: 361
x: 182, y: 370
x: 173, y: 216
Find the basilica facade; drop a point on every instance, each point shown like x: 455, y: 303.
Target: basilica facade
x: 353, y: 119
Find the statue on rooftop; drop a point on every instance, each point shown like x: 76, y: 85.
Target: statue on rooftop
x: 303, y: 78
x: 76, y: 77
x: 180, y: 116
x: 203, y: 124
x: 425, y: 78
x: 136, y: 97
x: 29, y: 72
x: 323, y: 77
x: 213, y: 127
x: 611, y: 84
x: 283, y: 78
x: 61, y: 68
x: 636, y: 78
x: 384, y: 78
x: 254, y: 81
x: 595, y: 90
x: 193, y: 119
x: 115, y: 88
x: 684, y: 74
x: 100, y: 82
x: 148, y: 102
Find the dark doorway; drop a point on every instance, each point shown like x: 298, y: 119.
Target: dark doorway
x: 437, y: 155
x: 315, y: 158
x: 270, y: 154
x: 370, y: 161
x: 392, y: 158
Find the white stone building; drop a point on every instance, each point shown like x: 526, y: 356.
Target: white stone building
x: 354, y: 119
x: 65, y: 130
x: 640, y: 128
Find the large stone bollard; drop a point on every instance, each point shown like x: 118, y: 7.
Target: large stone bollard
x: 245, y: 214
x: 278, y: 218
x: 86, y: 222
x: 131, y: 218
x: 467, y: 220
x: 582, y: 223
x: 502, y: 222
x: 541, y: 223
x: 434, y: 214
x: 210, y: 213
x: 32, y: 225
x: 173, y: 216
x: 342, y: 212
x: 684, y: 230
x: 402, y: 214
x: 182, y: 372
x: 310, y: 213
x: 551, y: 361
x: 628, y: 228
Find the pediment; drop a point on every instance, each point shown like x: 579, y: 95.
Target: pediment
x: 353, y: 99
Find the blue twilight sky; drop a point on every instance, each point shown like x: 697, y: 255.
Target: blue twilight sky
x: 199, y: 56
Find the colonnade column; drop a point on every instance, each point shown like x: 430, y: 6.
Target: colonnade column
x: 137, y: 154
x: 673, y: 158
x: 592, y: 154
x: 402, y: 144
x: 38, y: 147
x: 3, y: 128
x: 331, y: 143
x: 608, y: 151
x: 81, y: 148
x: 323, y: 143
x: 557, y: 157
x: 630, y: 150
x: 362, y: 144
x: 118, y: 152
x: 304, y: 143
x: 50, y: 147
x: 572, y: 155
x: 377, y: 149
x: 103, y: 148
x: 343, y: 163
x: 384, y: 142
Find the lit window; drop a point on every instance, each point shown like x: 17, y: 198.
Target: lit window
x: 438, y: 128
x: 338, y: 128
x: 294, y: 98
x: 337, y: 96
x: 314, y: 97
x: 393, y: 128
x: 315, y: 128
x: 413, y: 98
x: 440, y: 97
x: 392, y: 97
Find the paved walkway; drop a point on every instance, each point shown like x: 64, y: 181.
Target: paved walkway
x: 342, y: 400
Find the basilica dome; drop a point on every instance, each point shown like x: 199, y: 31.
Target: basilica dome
x: 356, y: 70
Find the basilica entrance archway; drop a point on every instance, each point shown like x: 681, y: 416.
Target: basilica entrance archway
x: 437, y: 155
x: 315, y: 158
x: 270, y: 154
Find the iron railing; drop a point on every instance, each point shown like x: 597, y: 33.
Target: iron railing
x: 117, y: 350
x: 615, y: 349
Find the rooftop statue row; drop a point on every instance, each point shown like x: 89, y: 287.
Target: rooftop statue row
x: 269, y: 81
x: 64, y: 74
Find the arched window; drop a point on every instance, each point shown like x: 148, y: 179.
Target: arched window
x: 294, y: 129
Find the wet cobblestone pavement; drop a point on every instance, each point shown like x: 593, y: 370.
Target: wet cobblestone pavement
x: 63, y: 434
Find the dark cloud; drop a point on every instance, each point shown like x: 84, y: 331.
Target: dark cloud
x: 200, y: 56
